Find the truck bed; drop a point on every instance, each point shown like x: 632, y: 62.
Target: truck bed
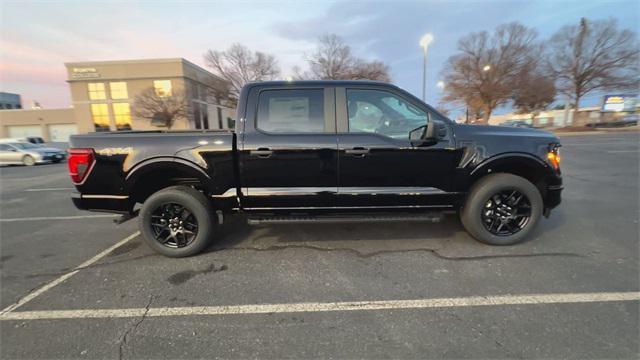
x: 123, y: 159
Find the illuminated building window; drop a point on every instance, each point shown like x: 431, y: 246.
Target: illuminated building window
x: 163, y: 87
x: 119, y: 90
x: 100, y: 115
x: 96, y: 91
x: 122, y: 115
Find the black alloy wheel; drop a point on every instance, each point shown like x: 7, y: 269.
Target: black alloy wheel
x: 502, y: 209
x: 174, y: 225
x: 506, y: 213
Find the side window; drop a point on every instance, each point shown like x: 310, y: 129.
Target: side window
x: 5, y: 147
x: 291, y: 111
x: 382, y: 112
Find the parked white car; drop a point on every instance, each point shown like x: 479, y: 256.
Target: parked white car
x: 25, y: 153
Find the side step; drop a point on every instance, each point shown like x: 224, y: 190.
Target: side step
x: 310, y: 219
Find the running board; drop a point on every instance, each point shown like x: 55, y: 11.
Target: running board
x: 301, y: 219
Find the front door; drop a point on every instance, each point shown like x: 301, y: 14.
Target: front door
x: 289, y: 150
x: 379, y: 165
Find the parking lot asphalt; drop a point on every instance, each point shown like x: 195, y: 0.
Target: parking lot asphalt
x: 473, y: 300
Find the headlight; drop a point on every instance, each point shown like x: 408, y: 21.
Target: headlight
x: 553, y: 156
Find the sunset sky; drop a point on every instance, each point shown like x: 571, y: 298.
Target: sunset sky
x: 38, y: 37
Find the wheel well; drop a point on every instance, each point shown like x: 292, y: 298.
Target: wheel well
x: 154, y: 180
x: 527, y: 168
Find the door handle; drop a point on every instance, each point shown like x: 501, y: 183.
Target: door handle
x: 261, y: 153
x: 357, y: 152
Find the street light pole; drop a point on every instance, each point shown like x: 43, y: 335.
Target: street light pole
x: 424, y: 75
x: 424, y: 43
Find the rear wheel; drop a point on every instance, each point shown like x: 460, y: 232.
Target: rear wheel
x: 28, y: 160
x: 502, y: 209
x: 177, y: 221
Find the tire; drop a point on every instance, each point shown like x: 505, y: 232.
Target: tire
x: 162, y: 203
x: 482, y: 210
x: 28, y: 160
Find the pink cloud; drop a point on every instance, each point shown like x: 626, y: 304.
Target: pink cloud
x: 28, y: 73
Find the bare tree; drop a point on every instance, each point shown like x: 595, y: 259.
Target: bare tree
x: 374, y: 70
x: 534, y: 92
x: 594, y: 55
x: 161, y: 110
x: 238, y: 66
x: 333, y: 60
x: 483, y: 74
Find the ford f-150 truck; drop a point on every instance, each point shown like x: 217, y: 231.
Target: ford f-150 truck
x: 320, y: 151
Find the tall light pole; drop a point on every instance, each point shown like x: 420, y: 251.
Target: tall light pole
x: 424, y: 43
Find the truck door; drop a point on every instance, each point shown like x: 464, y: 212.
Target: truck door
x: 379, y: 166
x: 288, y: 150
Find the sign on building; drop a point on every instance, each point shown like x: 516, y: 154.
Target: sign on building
x: 84, y: 73
x: 618, y: 103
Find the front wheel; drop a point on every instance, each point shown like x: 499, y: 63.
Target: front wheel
x: 177, y: 221
x: 28, y: 160
x: 502, y: 209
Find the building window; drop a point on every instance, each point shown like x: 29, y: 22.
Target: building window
x: 196, y: 116
x: 100, y: 114
x: 119, y: 90
x: 205, y: 116
x: 96, y: 91
x: 122, y: 115
x: 163, y: 87
x: 220, y: 126
x: 193, y: 90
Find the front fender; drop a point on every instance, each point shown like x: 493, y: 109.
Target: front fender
x: 506, y: 159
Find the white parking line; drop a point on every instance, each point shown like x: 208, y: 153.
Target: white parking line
x: 64, y: 277
x: 498, y: 300
x: 51, y: 189
x: 59, y: 217
x: 622, y: 151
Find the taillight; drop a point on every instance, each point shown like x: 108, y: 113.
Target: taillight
x: 80, y: 163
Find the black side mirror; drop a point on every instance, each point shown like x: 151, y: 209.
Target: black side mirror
x: 418, y: 133
x: 423, y: 135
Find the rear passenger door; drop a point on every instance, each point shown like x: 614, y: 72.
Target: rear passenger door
x: 288, y: 150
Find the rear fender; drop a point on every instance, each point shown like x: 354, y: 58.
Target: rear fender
x: 159, y: 164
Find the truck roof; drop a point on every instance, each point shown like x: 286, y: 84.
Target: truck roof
x: 319, y: 83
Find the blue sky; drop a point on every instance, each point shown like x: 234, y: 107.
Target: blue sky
x: 38, y: 37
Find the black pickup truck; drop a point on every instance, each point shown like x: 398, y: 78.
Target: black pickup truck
x: 320, y: 151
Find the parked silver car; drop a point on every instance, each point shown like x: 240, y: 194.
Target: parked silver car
x: 15, y: 153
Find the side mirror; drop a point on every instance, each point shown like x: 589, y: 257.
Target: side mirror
x: 417, y: 134
x: 423, y: 135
